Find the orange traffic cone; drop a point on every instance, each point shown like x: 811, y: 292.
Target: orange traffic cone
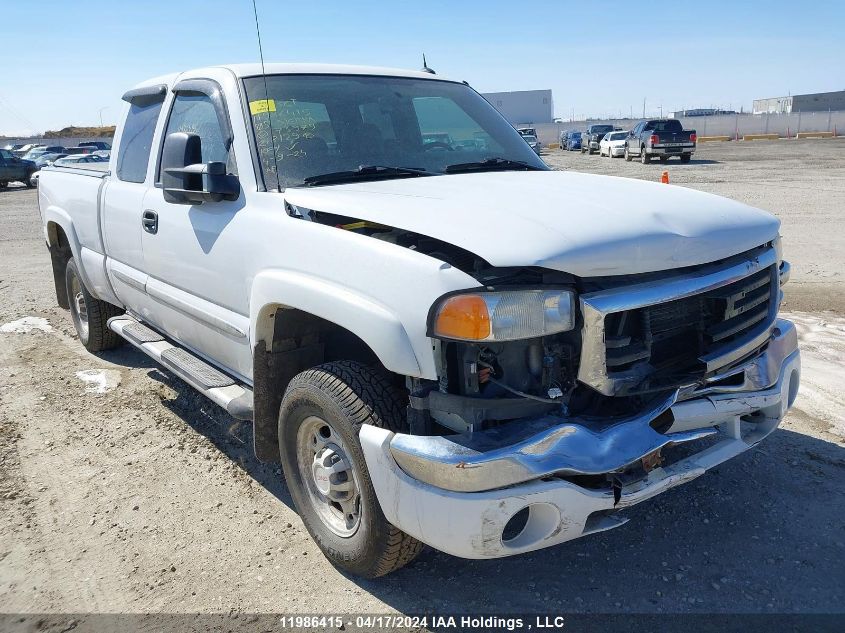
x: 665, y: 178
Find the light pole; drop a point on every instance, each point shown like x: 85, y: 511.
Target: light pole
x: 101, y: 114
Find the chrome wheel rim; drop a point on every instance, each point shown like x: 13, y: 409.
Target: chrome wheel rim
x: 78, y: 307
x: 327, y: 471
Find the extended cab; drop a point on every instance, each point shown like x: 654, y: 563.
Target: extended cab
x: 438, y: 343
x: 661, y: 138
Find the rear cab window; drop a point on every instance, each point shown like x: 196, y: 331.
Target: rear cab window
x: 136, y: 139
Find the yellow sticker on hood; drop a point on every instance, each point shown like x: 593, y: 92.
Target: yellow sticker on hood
x: 261, y: 106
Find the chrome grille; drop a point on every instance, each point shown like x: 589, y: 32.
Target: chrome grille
x: 672, y: 337
x: 675, y: 330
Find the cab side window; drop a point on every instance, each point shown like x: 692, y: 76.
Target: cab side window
x: 136, y: 141
x: 194, y: 113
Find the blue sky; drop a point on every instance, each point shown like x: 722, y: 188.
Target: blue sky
x: 64, y: 61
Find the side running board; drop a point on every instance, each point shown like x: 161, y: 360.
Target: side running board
x: 233, y: 396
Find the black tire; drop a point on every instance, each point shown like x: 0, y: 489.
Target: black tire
x: 28, y: 181
x: 664, y: 159
x: 685, y: 158
x: 345, y: 395
x: 645, y: 159
x: 583, y: 149
x: 92, y: 329
x: 3, y: 185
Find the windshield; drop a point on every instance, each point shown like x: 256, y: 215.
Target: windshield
x: 602, y: 129
x: 618, y: 136
x: 312, y: 125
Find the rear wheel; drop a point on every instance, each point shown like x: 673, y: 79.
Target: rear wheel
x: 90, y: 315
x: 645, y: 159
x: 685, y: 158
x: 321, y: 414
x: 663, y: 159
x: 29, y: 181
x: 3, y: 185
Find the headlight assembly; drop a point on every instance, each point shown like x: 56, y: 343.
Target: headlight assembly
x: 502, y: 316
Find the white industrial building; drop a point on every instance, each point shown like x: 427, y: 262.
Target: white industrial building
x: 815, y: 102
x: 523, y: 106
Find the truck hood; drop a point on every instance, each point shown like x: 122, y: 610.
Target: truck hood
x: 583, y: 224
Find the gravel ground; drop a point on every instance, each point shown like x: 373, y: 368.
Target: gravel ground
x: 121, y: 490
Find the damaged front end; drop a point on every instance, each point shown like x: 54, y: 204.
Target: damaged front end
x: 530, y: 440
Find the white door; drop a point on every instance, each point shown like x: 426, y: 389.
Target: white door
x: 123, y: 201
x: 196, y: 256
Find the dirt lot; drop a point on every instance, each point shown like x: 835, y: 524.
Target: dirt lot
x: 123, y: 491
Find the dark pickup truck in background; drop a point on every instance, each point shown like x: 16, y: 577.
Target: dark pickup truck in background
x: 592, y: 137
x: 13, y: 169
x: 661, y: 138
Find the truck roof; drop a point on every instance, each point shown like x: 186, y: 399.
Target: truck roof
x: 255, y: 69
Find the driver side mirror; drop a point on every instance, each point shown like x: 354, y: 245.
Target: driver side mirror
x: 185, y: 179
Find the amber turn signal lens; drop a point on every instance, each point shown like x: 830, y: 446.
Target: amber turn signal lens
x: 463, y: 317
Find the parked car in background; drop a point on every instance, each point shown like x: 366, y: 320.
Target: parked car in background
x: 15, y: 169
x: 40, y: 151
x: 86, y: 149
x: 95, y: 144
x: 613, y: 144
x: 80, y: 159
x: 23, y: 149
x: 14, y: 148
x: 573, y: 140
x: 48, y: 158
x: 592, y: 137
x: 561, y: 139
x: 662, y: 138
x: 533, y: 142
x: 438, y: 140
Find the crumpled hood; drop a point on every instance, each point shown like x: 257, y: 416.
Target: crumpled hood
x: 583, y: 224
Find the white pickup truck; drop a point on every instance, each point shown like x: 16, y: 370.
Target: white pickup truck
x: 443, y: 342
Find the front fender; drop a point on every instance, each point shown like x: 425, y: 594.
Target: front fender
x: 374, y: 323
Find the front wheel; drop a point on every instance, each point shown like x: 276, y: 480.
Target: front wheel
x: 321, y: 414
x: 29, y: 181
x: 90, y: 315
x: 627, y: 154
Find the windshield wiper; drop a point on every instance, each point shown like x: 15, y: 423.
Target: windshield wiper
x: 492, y: 163
x: 364, y: 172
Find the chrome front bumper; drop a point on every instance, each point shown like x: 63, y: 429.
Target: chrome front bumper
x: 457, y: 493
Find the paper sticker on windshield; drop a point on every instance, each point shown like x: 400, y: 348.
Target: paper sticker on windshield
x: 261, y: 106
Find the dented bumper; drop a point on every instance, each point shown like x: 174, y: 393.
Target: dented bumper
x: 457, y: 493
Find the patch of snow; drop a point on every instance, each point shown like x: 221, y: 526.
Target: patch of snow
x: 26, y: 325
x: 99, y: 380
x: 821, y: 338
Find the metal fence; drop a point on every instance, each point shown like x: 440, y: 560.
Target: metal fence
x: 64, y: 141
x: 733, y: 125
